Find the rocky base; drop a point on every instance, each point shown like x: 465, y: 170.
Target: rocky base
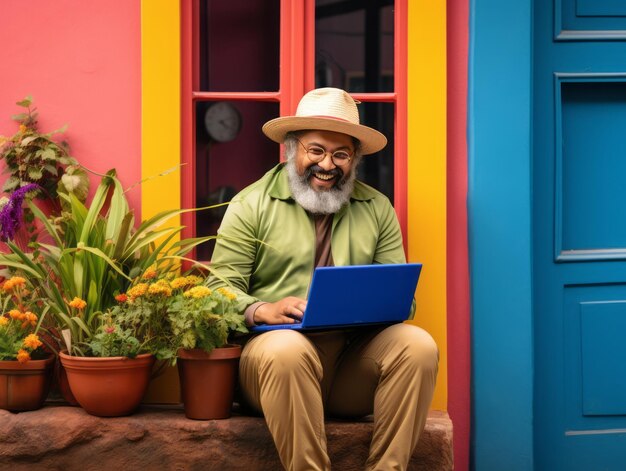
x: 60, y: 437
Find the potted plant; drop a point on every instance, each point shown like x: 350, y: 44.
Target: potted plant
x: 202, y: 322
x: 96, y: 253
x: 189, y: 324
x: 25, y: 367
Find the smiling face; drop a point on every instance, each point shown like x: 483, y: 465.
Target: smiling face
x: 324, y: 175
x: 322, y: 187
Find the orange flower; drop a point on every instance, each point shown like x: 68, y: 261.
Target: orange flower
x: 23, y: 356
x: 16, y: 314
x: 137, y: 291
x: 121, y: 298
x: 3, y: 321
x: 32, y: 341
x: 77, y: 303
x: 161, y: 287
x: 13, y: 282
x: 150, y: 273
x: 32, y: 318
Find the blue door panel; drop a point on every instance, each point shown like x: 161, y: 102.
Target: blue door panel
x: 592, y: 160
x: 603, y: 350
x: 589, y: 19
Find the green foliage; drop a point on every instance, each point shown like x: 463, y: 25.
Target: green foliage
x: 204, y: 318
x: 35, y: 157
x: 113, y: 341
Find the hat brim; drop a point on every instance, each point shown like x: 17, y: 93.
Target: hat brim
x: 371, y: 140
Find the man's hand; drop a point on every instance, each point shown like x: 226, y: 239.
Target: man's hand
x: 286, y: 311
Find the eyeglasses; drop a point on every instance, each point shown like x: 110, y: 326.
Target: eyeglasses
x: 316, y: 154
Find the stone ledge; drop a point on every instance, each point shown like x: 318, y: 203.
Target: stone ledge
x: 60, y: 437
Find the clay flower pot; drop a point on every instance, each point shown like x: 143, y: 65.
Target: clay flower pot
x: 24, y: 386
x: 207, y: 381
x: 110, y: 386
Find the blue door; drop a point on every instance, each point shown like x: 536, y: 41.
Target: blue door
x: 579, y: 244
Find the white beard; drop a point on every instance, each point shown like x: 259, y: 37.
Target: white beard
x: 322, y: 201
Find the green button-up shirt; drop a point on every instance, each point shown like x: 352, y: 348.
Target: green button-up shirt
x: 266, y: 243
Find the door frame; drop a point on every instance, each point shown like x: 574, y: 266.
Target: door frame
x: 500, y: 233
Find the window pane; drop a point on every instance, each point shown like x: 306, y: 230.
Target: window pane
x: 239, y: 45
x: 377, y: 169
x: 354, y: 45
x: 224, y: 167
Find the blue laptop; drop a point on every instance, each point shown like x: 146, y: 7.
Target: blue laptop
x: 369, y: 295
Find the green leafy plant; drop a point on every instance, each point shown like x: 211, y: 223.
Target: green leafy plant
x: 112, y: 340
x: 205, y: 318
x: 35, y: 157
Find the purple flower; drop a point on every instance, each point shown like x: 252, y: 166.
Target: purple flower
x: 11, y: 212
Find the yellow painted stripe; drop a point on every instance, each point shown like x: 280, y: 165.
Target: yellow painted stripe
x: 160, y: 105
x: 427, y: 172
x: 160, y: 134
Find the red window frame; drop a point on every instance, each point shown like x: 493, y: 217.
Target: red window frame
x: 296, y: 76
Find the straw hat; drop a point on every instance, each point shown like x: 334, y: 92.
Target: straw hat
x: 327, y: 109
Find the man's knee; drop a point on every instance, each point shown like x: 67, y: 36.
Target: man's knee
x: 416, y: 345
x: 283, y: 353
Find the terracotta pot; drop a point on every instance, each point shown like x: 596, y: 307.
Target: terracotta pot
x: 207, y: 381
x: 108, y: 387
x: 24, y: 386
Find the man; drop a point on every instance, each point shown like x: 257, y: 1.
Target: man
x: 311, y: 211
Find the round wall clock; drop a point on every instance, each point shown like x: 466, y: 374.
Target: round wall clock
x: 222, y: 121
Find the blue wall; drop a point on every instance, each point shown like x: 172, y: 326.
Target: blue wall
x: 499, y: 204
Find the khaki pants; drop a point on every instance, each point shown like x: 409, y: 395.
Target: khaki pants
x: 295, y: 378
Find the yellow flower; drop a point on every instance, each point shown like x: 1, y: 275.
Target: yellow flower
x: 179, y: 282
x: 225, y: 292
x: 13, y: 282
x: 23, y: 356
x: 161, y: 287
x: 3, y: 321
x: 22, y: 128
x: 150, y: 273
x: 193, y: 280
x: 137, y: 291
x: 77, y: 303
x: 32, y: 341
x: 197, y: 292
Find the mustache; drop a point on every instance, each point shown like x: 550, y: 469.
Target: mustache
x: 335, y: 172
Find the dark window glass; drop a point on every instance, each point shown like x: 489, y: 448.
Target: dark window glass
x: 239, y: 45
x: 377, y: 169
x: 354, y: 45
x: 224, y: 167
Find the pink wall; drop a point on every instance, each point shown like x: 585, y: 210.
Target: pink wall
x: 81, y: 62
